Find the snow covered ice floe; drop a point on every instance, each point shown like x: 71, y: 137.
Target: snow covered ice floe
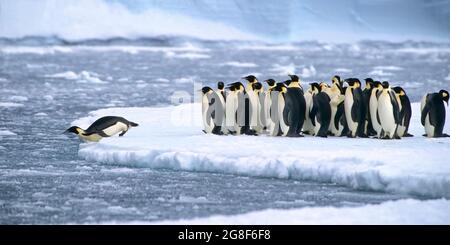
x: 407, y: 211
x: 172, y: 138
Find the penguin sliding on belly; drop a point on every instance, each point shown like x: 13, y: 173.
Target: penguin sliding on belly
x: 103, y: 127
x: 388, y: 112
x: 405, y: 111
x: 354, y: 108
x: 213, y: 111
x: 321, y: 111
x: 433, y: 113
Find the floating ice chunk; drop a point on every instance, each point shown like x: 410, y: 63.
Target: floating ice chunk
x: 240, y: 64
x: 18, y: 98
x: 379, y: 72
x: 4, y: 132
x: 343, y: 70
x: 10, y: 104
x: 69, y: 75
x: 389, y: 68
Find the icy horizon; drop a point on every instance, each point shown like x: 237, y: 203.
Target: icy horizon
x: 285, y: 21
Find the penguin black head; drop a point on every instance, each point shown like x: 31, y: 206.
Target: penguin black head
x: 280, y: 87
x: 220, y: 85
x: 315, y: 86
x: 385, y: 84
x: 73, y: 129
x: 270, y: 82
x: 377, y: 84
x: 237, y: 86
x: 399, y: 90
x: 369, y: 83
x: 250, y: 78
x: 353, y: 82
x: 294, y: 78
x: 337, y: 80
x: 256, y: 86
x: 287, y: 82
x: 231, y: 88
x: 206, y: 89
x: 444, y: 94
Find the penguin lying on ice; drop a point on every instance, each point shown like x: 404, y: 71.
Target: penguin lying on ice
x: 103, y: 127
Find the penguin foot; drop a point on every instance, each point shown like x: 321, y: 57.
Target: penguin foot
x: 204, y: 131
x: 294, y: 135
x: 322, y: 136
x: 363, y: 136
x: 443, y: 136
x: 408, y: 135
x: 424, y: 135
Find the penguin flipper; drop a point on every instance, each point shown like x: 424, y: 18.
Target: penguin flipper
x: 396, y: 108
x: 425, y: 111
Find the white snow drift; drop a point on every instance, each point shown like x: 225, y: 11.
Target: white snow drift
x: 389, y: 213
x: 172, y: 137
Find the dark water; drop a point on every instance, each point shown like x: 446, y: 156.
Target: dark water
x: 42, y: 180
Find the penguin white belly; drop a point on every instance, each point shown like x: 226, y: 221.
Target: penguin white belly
x: 307, y: 125
x: 386, y: 112
x: 267, y: 105
x: 222, y: 108
x: 281, y: 105
x: 348, y: 104
x: 429, y: 129
x: 336, y: 99
x: 208, y: 123
x: 262, y: 110
x: 116, y: 128
x: 275, y: 125
x: 230, y: 112
x: 373, y: 106
x: 254, y: 111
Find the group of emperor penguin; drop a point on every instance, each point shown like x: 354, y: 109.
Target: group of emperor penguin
x: 285, y: 109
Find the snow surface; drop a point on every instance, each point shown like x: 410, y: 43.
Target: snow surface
x: 171, y: 137
x: 407, y: 211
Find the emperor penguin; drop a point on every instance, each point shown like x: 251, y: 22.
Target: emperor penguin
x: 288, y: 111
x: 213, y: 113
x: 308, y: 127
x: 338, y: 126
x: 270, y: 103
x: 373, y: 107
x: 354, y: 108
x: 388, y: 112
x: 297, y: 91
x: 433, y: 113
x: 405, y: 111
x: 103, y: 127
x: 368, y: 128
x: 257, y: 116
x: 222, y: 99
x: 321, y: 110
x: 251, y: 106
x: 234, y: 109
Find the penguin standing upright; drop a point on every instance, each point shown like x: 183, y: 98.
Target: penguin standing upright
x: 405, y: 111
x: 251, y: 106
x: 368, y: 128
x: 321, y: 111
x: 354, y: 108
x: 433, y: 113
x: 373, y: 107
x: 338, y: 125
x: 297, y: 92
x: 212, y: 111
x: 222, y: 98
x: 257, y: 117
x: 271, y: 107
x: 288, y: 110
x: 234, y: 109
x: 308, y: 127
x: 388, y: 112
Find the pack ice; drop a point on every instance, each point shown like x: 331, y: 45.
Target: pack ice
x: 172, y: 138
